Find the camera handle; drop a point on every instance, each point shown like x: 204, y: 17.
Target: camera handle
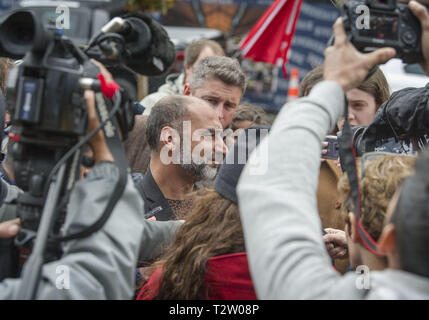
x: 33, y: 267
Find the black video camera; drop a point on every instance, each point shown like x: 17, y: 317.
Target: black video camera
x: 372, y: 24
x: 48, y: 111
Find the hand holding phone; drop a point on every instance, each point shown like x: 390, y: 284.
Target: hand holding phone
x: 331, y: 147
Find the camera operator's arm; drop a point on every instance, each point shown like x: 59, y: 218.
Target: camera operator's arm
x: 281, y: 225
x: 98, y: 143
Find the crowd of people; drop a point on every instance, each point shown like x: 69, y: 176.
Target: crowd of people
x: 222, y: 204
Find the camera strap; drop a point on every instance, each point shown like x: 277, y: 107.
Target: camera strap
x: 348, y: 160
x: 113, y: 141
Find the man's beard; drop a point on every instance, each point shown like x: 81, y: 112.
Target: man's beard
x: 201, y: 171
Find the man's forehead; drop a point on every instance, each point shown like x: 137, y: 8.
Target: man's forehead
x: 218, y: 88
x: 206, y: 52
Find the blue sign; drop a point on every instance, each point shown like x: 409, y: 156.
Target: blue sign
x: 6, y: 5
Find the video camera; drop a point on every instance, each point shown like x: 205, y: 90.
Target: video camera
x: 373, y: 24
x: 49, y: 115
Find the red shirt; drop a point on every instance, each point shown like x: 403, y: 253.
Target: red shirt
x: 227, y: 278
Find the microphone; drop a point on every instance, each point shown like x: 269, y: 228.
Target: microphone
x: 149, y: 49
x: 117, y: 24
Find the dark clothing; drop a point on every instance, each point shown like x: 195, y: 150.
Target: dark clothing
x: 155, y: 204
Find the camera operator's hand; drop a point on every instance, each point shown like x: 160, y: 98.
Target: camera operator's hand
x: 347, y: 66
x: 421, y: 13
x: 9, y: 229
x: 98, y: 142
x: 107, y: 75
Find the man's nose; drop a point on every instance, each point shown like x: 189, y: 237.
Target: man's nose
x: 220, y: 146
x: 219, y: 109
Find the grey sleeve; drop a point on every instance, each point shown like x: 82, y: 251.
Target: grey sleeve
x: 3, y: 191
x: 278, y: 207
x: 149, y: 101
x: 156, y: 236
x: 101, y: 266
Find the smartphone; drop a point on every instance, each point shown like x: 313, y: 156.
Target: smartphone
x: 332, y: 148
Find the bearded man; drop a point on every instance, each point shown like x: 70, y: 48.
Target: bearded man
x: 185, y: 137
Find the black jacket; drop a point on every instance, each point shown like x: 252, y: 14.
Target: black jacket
x: 155, y: 203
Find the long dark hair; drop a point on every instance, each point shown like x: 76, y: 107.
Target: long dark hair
x: 212, y: 228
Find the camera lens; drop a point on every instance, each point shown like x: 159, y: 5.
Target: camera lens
x: 23, y: 35
x: 409, y: 37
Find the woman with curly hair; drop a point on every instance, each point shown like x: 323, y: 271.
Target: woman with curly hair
x: 382, y: 176
x: 207, y: 259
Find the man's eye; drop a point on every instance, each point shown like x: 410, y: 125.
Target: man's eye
x: 211, y: 101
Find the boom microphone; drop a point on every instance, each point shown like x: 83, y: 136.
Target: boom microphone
x: 148, y: 47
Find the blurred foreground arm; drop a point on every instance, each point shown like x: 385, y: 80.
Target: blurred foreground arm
x: 282, y: 229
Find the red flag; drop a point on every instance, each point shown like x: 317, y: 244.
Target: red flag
x: 271, y: 37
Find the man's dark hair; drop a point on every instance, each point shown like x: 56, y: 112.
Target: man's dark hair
x: 169, y: 111
x: 411, y: 220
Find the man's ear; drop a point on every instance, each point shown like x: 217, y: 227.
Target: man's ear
x: 353, y: 234
x: 387, y: 240
x: 187, y: 90
x: 169, y: 138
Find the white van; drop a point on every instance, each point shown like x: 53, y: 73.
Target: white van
x: 400, y: 75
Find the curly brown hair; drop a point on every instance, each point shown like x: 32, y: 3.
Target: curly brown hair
x: 382, y: 177
x: 212, y: 228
